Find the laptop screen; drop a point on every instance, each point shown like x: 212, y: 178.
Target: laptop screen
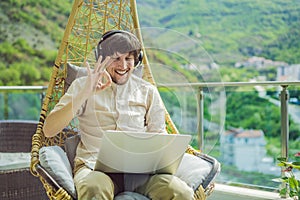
x: 132, y: 152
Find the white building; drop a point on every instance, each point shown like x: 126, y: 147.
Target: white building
x: 288, y: 73
x: 246, y: 149
x: 259, y: 62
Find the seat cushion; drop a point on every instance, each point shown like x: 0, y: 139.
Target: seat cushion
x: 193, y: 170
x: 70, y: 148
x: 74, y: 72
x: 55, y: 161
x: 130, y: 196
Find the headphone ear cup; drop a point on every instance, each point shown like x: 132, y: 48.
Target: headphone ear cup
x: 96, y: 53
x: 140, y: 58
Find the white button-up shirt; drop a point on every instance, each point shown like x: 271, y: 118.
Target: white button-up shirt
x: 134, y: 106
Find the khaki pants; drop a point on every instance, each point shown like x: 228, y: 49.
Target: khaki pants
x: 95, y: 185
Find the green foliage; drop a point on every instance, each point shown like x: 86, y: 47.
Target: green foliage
x: 19, y: 105
x: 231, y: 29
x: 45, y: 74
x: 236, y: 75
x: 252, y: 178
x: 10, y: 77
x: 29, y: 74
x: 249, y: 111
x: 288, y: 41
x: 273, y: 147
x: 291, y: 182
x: 48, y: 16
x: 8, y: 53
x: 170, y: 100
x: 28, y: 31
x: 23, y: 65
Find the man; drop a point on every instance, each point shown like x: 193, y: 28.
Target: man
x: 111, y: 98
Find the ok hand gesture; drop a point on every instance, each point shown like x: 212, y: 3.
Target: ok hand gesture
x: 99, y: 78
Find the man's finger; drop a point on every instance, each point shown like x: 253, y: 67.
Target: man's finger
x: 87, y: 67
x: 107, y: 61
x: 98, y: 64
x: 108, y: 80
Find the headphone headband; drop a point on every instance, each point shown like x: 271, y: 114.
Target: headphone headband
x: 109, y: 34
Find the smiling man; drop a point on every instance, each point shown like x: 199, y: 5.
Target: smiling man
x: 112, y: 98
x: 121, y: 67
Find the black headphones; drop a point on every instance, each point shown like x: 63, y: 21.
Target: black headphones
x: 112, y: 32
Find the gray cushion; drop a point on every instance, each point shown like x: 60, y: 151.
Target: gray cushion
x: 70, y: 148
x: 55, y: 162
x: 73, y: 72
x: 130, y: 196
x: 193, y: 170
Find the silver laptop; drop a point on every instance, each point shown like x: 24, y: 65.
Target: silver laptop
x: 142, y: 153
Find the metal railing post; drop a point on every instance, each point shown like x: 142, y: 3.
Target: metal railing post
x: 200, y: 114
x: 6, y: 106
x: 42, y: 96
x: 284, y: 97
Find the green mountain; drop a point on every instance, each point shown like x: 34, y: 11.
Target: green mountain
x: 30, y: 33
x: 202, y: 31
x: 231, y: 30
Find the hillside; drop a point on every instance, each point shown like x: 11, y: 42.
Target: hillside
x: 31, y: 31
x: 230, y: 30
x: 41, y: 23
x: 202, y: 32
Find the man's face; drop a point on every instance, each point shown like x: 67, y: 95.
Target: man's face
x: 121, y: 67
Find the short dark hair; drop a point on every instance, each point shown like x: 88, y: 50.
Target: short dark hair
x: 121, y: 42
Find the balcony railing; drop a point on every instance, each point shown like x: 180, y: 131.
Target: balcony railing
x: 203, y: 89
x: 19, y: 102
x: 200, y: 91
x: 284, y: 99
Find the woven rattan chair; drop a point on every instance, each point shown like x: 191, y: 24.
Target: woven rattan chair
x: 87, y: 22
x: 16, y: 181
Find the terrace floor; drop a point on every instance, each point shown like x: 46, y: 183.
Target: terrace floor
x: 226, y: 192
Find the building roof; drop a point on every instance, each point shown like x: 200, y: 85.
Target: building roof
x: 242, y: 133
x: 250, y: 134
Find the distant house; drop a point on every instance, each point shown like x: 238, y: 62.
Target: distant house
x: 246, y: 149
x: 288, y: 73
x: 259, y: 62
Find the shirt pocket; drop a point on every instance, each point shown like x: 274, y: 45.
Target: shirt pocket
x: 136, y: 113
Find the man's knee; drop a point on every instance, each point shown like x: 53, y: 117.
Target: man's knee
x: 170, y: 187
x: 95, y: 185
x: 178, y: 189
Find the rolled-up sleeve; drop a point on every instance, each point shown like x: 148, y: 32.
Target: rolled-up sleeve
x: 72, y: 91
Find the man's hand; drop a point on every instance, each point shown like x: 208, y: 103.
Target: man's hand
x: 99, y: 78
x: 60, y: 118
